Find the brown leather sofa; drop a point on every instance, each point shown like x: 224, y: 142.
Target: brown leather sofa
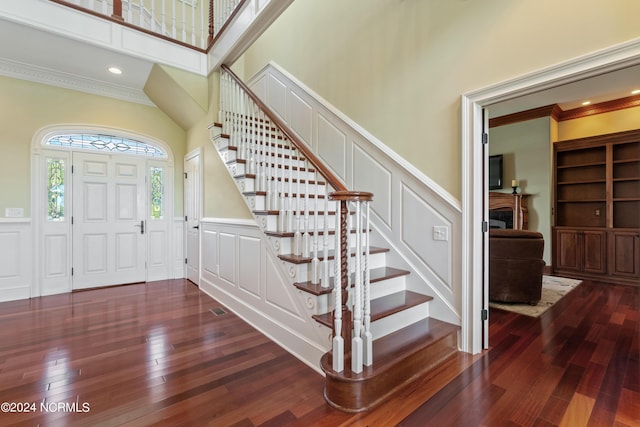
x: 515, y: 265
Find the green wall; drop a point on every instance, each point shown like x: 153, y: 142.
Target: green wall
x: 27, y: 107
x: 399, y: 67
x: 526, y: 150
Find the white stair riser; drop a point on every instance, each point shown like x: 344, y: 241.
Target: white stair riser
x: 284, y: 245
x: 258, y: 202
x: 399, y: 320
x: 322, y: 304
x: 270, y: 222
x: 302, y: 272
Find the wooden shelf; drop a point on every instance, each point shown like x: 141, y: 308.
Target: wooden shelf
x: 597, y: 207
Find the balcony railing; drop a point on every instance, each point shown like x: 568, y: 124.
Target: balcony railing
x: 194, y: 23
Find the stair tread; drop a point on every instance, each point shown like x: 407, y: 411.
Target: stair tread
x: 392, y: 348
x: 296, y: 195
x: 375, y: 275
x: 384, y: 306
x: 298, y: 259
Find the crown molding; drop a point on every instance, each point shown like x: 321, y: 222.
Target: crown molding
x: 18, y: 70
x: 558, y: 114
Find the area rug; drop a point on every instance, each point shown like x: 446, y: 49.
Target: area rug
x: 553, y: 288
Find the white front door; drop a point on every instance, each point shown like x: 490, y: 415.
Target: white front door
x: 192, y: 203
x: 109, y: 218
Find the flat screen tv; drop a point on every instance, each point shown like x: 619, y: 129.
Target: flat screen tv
x: 495, y: 172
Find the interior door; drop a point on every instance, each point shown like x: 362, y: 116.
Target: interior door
x: 192, y: 213
x: 109, y: 217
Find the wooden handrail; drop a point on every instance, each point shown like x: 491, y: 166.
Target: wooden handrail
x: 331, y: 179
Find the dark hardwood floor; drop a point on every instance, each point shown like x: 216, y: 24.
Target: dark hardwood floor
x: 155, y: 354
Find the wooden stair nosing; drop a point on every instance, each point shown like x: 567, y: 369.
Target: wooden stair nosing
x: 383, y: 306
x: 375, y: 275
x: 311, y: 232
x: 398, y: 359
x: 299, y: 259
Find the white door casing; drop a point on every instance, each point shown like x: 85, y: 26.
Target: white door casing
x: 109, y: 219
x: 192, y: 214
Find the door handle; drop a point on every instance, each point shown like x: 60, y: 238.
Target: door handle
x: 141, y: 225
x: 197, y: 227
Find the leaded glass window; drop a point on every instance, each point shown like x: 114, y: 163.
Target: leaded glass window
x: 157, y: 193
x: 109, y: 143
x: 55, y: 189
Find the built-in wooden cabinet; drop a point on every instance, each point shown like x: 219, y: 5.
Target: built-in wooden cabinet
x: 597, y: 208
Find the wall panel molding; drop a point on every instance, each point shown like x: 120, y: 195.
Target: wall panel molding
x: 240, y: 269
x: 16, y: 261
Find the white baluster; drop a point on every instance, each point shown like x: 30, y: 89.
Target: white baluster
x: 173, y: 21
x: 193, y: 24
x: 153, y: 15
x: 282, y: 216
x: 325, y: 261
x: 203, y: 33
x: 306, y: 244
x: 338, y: 342
x: 356, y: 343
x: 184, y: 23
x: 290, y: 197
x: 367, y: 337
x: 297, y: 236
x: 315, y: 262
x: 163, y: 19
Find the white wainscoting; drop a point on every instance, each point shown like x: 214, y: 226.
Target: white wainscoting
x: 178, y: 248
x: 239, y: 270
x: 407, y: 205
x: 16, y: 260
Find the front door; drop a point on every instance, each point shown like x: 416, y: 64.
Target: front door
x: 109, y: 218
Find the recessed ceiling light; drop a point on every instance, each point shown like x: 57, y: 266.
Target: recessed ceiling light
x: 115, y: 70
x: 586, y: 103
x: 635, y: 92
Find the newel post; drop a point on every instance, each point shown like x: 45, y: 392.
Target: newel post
x: 347, y: 321
x: 117, y: 10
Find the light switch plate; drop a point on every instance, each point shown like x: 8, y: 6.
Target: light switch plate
x: 440, y: 232
x: 14, y: 212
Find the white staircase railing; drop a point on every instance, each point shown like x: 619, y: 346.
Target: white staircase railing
x: 193, y: 22
x: 309, y: 202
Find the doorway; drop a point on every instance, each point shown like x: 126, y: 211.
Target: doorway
x: 474, y: 163
x: 100, y: 204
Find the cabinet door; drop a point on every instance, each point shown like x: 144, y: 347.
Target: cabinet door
x: 626, y: 253
x: 567, y: 250
x: 594, y: 251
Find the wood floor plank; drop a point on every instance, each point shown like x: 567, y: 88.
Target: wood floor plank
x: 578, y: 412
x: 154, y: 354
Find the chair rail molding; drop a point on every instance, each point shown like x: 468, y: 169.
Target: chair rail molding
x: 400, y: 190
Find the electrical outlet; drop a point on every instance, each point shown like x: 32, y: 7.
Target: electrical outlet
x: 440, y: 232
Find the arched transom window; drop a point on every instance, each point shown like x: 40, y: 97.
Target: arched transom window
x: 105, y: 143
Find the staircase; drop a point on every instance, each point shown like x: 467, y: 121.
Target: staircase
x: 382, y: 335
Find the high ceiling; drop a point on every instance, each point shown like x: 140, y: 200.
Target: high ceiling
x: 39, y: 55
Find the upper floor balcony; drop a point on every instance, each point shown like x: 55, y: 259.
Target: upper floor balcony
x: 66, y: 37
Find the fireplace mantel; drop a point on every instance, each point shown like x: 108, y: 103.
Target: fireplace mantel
x: 516, y: 203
